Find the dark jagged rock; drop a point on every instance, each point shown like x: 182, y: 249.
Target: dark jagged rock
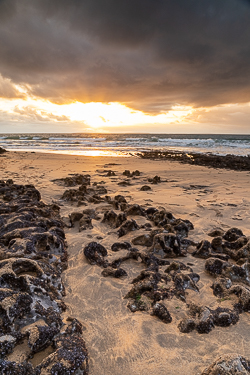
x: 85, y: 223
x: 70, y: 356
x: 109, y: 271
x: 232, y: 234
x: 205, y: 321
x: 131, y: 174
x: 2, y: 151
x: 153, y: 286
x: 234, y: 162
x: 120, y: 246
x: 131, y: 254
x: 203, y: 250
x: 162, y: 312
x: 74, y: 217
x: 84, y: 193
x: 95, y: 253
x: 214, y: 266
x: 124, y: 183
x: 186, y: 325
x: 230, y: 364
x: 110, y: 173
x: 139, y: 304
x: 161, y: 218
x: 134, y: 210
x: 113, y: 219
x: 216, y: 233
x: 145, y: 188
x: 166, y: 245
x: 32, y: 257
x: 150, y: 212
x: 234, y: 272
x: 119, y: 202
x: 155, y: 180
x: 127, y: 226
x: 225, y: 317
x: 77, y: 179
x: 144, y: 240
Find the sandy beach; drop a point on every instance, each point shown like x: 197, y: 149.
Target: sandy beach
x: 118, y: 340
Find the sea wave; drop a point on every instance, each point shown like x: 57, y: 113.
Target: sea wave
x: 218, y: 144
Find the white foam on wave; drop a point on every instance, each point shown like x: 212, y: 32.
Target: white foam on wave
x: 215, y: 144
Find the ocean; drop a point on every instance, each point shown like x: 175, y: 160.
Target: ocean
x: 126, y: 144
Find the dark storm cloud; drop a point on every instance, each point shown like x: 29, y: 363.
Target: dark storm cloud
x: 148, y: 53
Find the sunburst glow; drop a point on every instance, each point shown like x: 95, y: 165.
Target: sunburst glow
x: 94, y: 115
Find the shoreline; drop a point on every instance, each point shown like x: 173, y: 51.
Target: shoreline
x: 119, y: 341
x: 209, y: 160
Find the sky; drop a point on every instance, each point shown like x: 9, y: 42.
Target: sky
x: 136, y: 66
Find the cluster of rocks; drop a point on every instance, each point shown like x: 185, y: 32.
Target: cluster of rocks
x: 166, y: 237
x: 154, y: 285
x: 225, y: 245
x: 131, y: 174
x: 32, y: 257
x: 235, y: 162
x: 84, y: 193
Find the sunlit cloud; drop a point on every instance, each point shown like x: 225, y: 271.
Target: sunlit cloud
x: 93, y: 115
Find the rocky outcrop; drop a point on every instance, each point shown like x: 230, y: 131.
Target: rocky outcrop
x: 32, y: 257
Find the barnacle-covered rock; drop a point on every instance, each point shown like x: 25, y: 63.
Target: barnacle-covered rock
x: 95, y: 253
x: 127, y: 226
x: 32, y: 257
x: 230, y: 364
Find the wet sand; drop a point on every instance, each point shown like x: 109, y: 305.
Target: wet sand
x: 119, y: 341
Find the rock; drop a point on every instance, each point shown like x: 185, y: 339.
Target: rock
x: 124, y: 183
x: 91, y: 213
x: 70, y: 357
x: 186, y: 325
x: 203, y: 250
x: 119, y: 272
x: 154, y: 180
x: 225, y: 317
x: 110, y: 173
x: 181, y: 229
x: 183, y: 281
x: 233, y: 162
x: 162, y: 313
x: 2, y: 151
x: 85, y: 223
x: 232, y: 234
x: 216, y: 233
x: 120, y: 246
x: 145, y: 188
x: 206, y: 322
x: 95, y: 253
x: 111, y: 218
x: 139, y: 304
x: 143, y: 240
x: 33, y: 256
x: 166, y: 245
x: 74, y: 217
x: 77, y: 179
x: 150, y: 212
x: 134, y: 210
x: 161, y: 218
x: 217, y: 244
x: 131, y: 174
x: 128, y: 226
x: 214, y: 266
x: 230, y: 364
